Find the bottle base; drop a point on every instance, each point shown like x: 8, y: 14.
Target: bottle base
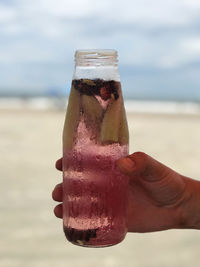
x: 88, y: 238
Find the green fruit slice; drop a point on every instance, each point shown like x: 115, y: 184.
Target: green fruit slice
x: 123, y: 128
x: 92, y: 110
x: 71, y: 119
x: 111, y: 122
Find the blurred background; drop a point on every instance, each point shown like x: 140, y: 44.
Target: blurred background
x: 159, y: 60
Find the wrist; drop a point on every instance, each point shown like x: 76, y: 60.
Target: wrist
x: 189, y: 208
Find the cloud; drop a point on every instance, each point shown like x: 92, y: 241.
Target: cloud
x: 7, y: 14
x: 38, y: 38
x: 191, y: 46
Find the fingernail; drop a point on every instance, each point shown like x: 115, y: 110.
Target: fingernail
x: 126, y: 165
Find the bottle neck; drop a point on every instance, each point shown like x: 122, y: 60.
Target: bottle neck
x: 96, y: 64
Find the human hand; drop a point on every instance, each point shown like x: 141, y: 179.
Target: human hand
x: 57, y: 193
x: 158, y: 199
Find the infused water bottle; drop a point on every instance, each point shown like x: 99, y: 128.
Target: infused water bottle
x: 95, y: 136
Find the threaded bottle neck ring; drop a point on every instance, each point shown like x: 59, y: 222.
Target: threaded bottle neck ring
x: 95, y: 57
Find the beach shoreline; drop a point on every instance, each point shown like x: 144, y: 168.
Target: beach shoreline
x: 133, y: 106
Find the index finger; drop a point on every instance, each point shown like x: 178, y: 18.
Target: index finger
x: 59, y: 164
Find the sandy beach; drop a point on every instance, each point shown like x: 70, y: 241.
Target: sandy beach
x: 30, y: 234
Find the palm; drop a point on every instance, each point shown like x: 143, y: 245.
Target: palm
x: 144, y: 213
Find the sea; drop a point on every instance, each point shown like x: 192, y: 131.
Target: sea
x: 131, y: 105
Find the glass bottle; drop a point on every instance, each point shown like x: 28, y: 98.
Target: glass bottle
x: 95, y: 135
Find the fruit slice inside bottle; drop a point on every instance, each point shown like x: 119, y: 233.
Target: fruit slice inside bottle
x: 72, y: 119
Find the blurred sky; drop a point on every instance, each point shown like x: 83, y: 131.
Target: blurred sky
x: 158, y: 43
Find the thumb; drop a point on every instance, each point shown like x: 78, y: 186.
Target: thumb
x: 161, y: 183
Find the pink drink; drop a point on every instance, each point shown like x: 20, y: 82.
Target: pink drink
x: 95, y: 136
x: 95, y: 196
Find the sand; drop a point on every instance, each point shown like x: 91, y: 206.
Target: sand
x: 30, y: 234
